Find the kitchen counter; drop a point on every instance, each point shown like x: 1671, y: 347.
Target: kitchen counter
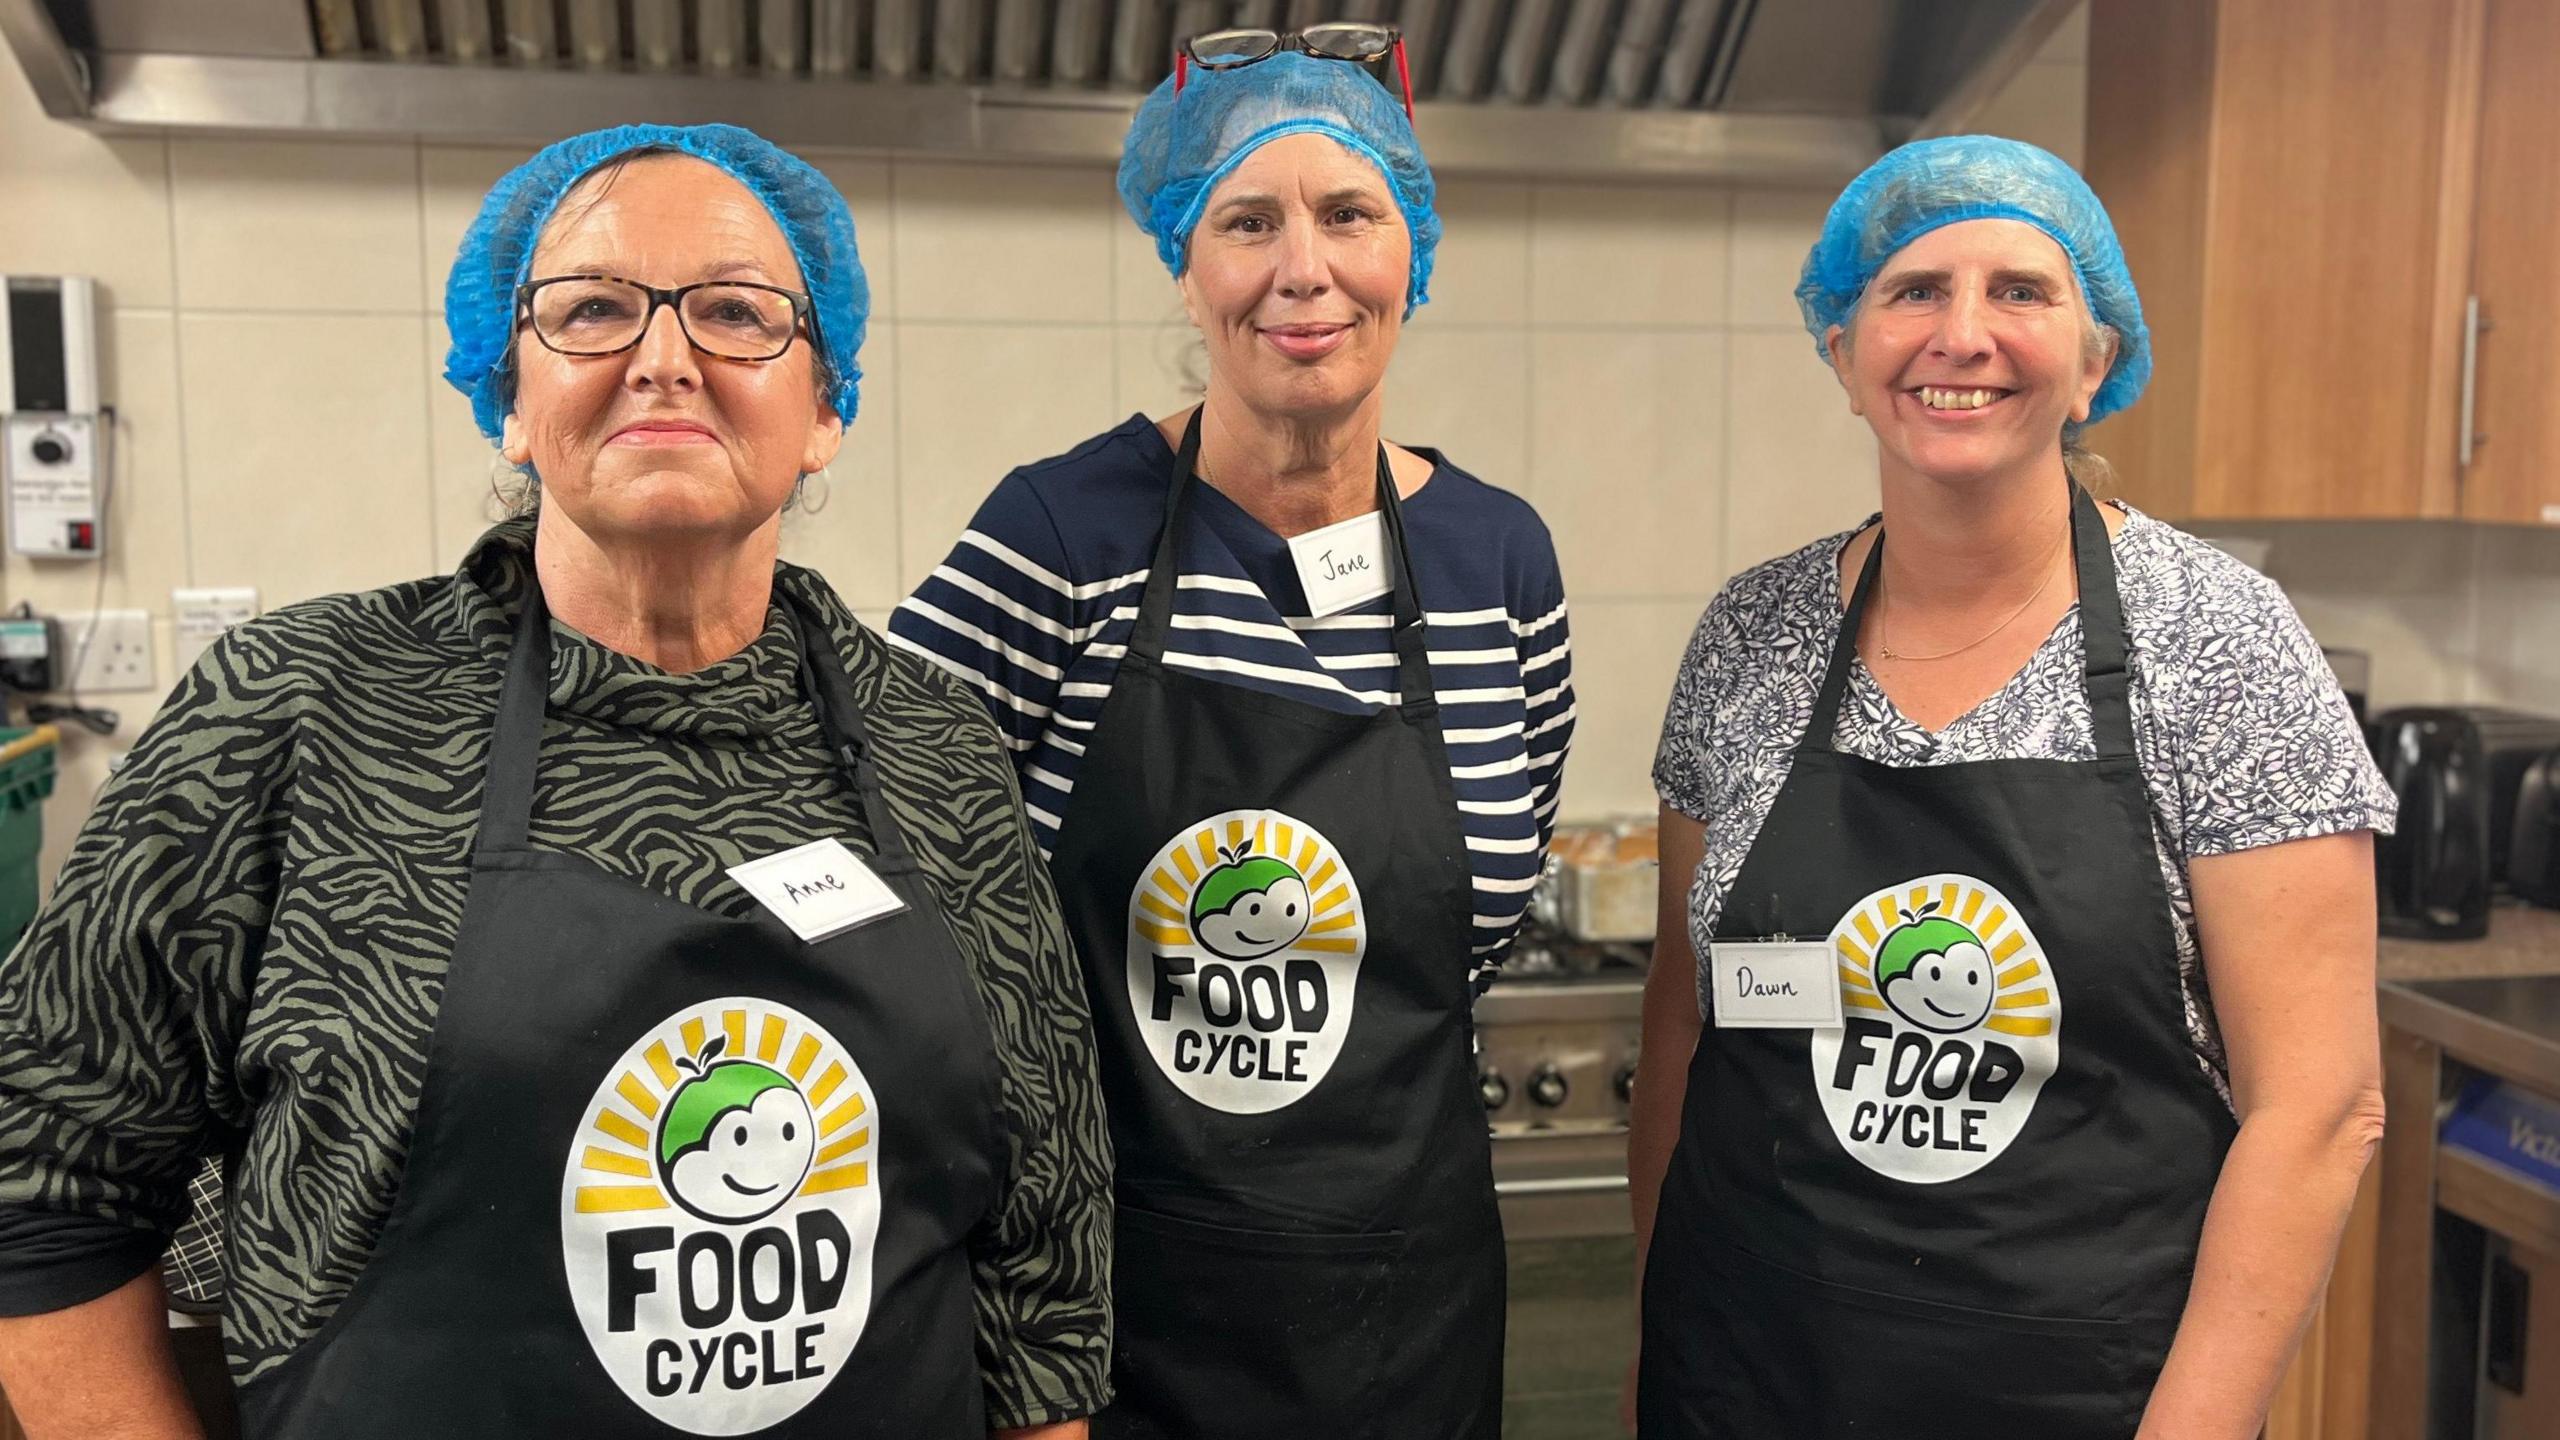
x: 2522, y: 940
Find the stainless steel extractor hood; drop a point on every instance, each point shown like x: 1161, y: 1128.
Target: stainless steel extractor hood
x: 1734, y: 90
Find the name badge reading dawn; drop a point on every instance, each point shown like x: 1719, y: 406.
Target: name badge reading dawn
x: 1774, y: 984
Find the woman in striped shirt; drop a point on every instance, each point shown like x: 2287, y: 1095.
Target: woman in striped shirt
x: 1291, y: 736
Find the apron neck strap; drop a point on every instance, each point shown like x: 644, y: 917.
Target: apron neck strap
x: 1418, y: 700
x: 515, y: 740
x: 515, y: 744
x: 830, y: 689
x: 2101, y: 629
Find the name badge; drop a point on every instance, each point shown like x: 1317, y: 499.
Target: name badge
x: 820, y: 889
x: 1341, y: 565
x: 1774, y: 984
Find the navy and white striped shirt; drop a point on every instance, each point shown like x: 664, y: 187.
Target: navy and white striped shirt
x: 1035, y: 606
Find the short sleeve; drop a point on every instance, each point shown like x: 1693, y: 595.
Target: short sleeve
x: 1688, y: 723
x: 2268, y: 750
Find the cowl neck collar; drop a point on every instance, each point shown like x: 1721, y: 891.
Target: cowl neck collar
x: 753, y: 696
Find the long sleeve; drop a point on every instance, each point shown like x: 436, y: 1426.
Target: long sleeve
x: 1042, y: 1262
x: 1004, y: 613
x: 1546, y: 678
x: 121, y: 1010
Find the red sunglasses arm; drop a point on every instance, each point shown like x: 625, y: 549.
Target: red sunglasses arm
x: 1181, y: 69
x: 1404, y: 78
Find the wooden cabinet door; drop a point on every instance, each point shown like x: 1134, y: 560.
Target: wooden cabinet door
x: 2514, y: 473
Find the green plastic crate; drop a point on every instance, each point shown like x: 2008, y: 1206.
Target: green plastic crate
x: 26, y: 778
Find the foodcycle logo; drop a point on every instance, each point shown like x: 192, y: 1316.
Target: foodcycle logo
x: 1244, y: 945
x: 1953, y: 1024
x: 718, y: 1215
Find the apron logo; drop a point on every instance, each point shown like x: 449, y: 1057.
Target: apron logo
x: 1953, y: 1025
x: 718, y: 1216
x: 1245, y: 940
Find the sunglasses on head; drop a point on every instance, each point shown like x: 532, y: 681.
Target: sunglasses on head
x: 1357, y: 41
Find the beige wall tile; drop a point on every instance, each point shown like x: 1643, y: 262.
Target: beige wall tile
x: 307, y: 451
x: 465, y: 479
x: 1801, y: 466
x: 1626, y: 459
x: 1772, y: 230
x: 2520, y: 617
x: 865, y: 187
x: 146, y: 525
x: 1627, y: 255
x: 452, y: 181
x: 1157, y: 368
x: 1143, y: 292
x: 852, y: 539
x: 1466, y: 392
x: 293, y: 225
x: 1002, y: 242
x: 2044, y: 106
x: 1481, y: 275
x: 1625, y: 653
x: 2070, y: 42
x: 975, y: 401
x: 80, y: 204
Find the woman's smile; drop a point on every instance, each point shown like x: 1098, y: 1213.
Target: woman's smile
x: 1306, y: 341
x: 664, y: 432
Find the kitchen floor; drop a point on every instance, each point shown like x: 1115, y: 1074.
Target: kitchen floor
x: 1573, y: 1328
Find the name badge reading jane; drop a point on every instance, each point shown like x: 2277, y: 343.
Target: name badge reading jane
x: 1342, y: 565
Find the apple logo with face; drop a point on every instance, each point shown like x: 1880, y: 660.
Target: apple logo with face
x: 1250, y: 906
x: 1936, y: 974
x: 736, y: 1139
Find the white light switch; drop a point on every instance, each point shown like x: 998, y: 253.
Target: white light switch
x: 204, y: 614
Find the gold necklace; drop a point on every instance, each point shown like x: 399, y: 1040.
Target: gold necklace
x: 1886, y: 644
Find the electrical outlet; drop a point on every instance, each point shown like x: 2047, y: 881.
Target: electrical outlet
x: 116, y: 654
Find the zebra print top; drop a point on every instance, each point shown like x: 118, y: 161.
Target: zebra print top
x: 246, y: 950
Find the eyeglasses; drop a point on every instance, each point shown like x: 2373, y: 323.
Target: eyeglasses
x: 590, y: 315
x: 1357, y: 41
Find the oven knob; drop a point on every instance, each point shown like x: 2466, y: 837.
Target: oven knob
x: 1546, y: 1086
x: 1624, y: 1082
x: 50, y: 449
x: 1493, y: 1089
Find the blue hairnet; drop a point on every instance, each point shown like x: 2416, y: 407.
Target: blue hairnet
x: 1929, y: 183
x: 497, y: 251
x: 1181, y: 146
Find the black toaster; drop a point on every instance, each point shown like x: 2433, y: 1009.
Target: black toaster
x: 2458, y: 771
x: 2533, y: 843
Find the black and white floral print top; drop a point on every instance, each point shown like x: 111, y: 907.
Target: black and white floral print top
x: 2242, y: 732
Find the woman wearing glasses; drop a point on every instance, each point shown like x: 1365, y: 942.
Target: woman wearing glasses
x: 623, y: 988
x: 1290, y: 705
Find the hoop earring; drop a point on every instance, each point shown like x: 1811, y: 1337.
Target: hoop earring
x: 800, y: 494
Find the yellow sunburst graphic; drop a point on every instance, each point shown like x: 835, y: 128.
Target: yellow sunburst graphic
x: 2024, y: 1004
x: 619, y: 1144
x: 1164, y: 898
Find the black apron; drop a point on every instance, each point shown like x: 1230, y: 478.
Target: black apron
x: 1273, y: 905
x: 1957, y: 1215
x: 672, y: 1173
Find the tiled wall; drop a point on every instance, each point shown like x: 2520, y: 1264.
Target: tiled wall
x: 1627, y: 357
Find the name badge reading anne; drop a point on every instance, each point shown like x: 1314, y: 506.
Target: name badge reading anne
x: 820, y: 889
x: 1774, y: 985
x: 1342, y: 565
